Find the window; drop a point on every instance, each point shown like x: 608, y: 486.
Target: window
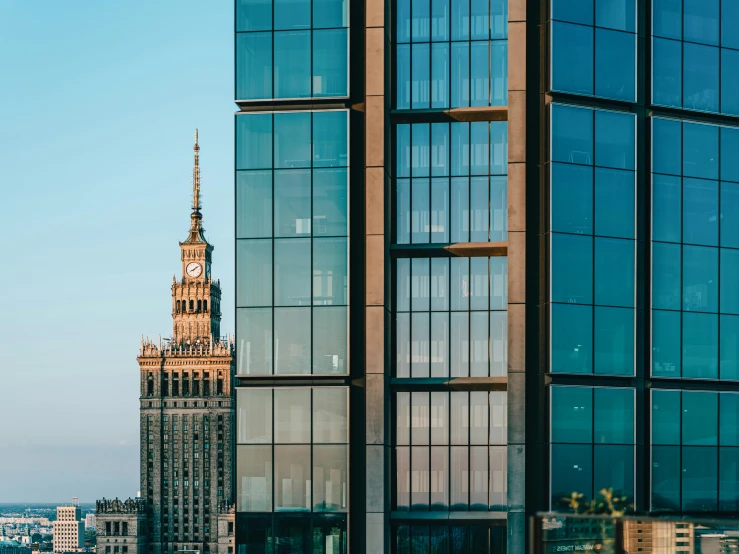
x: 292, y: 310
x: 593, y: 49
x: 451, y: 54
x: 694, y: 447
x: 451, y: 183
x: 592, y: 442
x: 592, y: 249
x: 451, y: 317
x: 274, y: 470
x: 695, y: 59
x: 451, y: 453
x: 295, y: 50
x: 695, y: 260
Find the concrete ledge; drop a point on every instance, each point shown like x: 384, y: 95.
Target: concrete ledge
x: 479, y: 113
x: 477, y: 249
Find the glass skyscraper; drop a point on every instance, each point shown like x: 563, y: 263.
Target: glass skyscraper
x: 487, y: 256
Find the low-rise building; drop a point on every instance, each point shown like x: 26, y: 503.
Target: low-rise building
x: 121, y: 526
x: 69, y: 531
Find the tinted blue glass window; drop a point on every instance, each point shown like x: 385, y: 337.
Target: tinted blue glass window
x: 700, y: 346
x: 666, y: 344
x: 330, y: 52
x: 614, y: 203
x: 572, y: 135
x: 572, y: 198
x: 254, y: 142
x: 666, y: 146
x: 699, y: 478
x: 292, y: 51
x: 253, y: 15
x: 292, y: 14
x: 571, y: 471
x: 700, y: 201
x: 700, y: 418
x: 701, y: 21
x: 572, y: 414
x: 666, y: 276
x: 666, y: 471
x: 729, y: 292
x: 574, y: 11
x: 614, y: 272
x: 728, y: 492
x: 700, y: 279
x: 700, y: 77
x: 253, y: 66
x: 572, y: 337
x: 667, y: 18
x: 729, y: 347
x: 729, y: 81
x: 572, y: 58
x: 666, y: 208
x: 666, y: 414
x: 729, y: 24
x: 615, y: 65
x: 616, y: 14
x: 728, y: 416
x: 729, y: 154
x: 330, y: 13
x: 304, y: 197
x: 292, y: 139
x: 254, y: 204
x: 614, y: 415
x: 614, y: 140
x: 614, y: 469
x: 614, y: 341
x: 572, y: 269
x: 667, y: 73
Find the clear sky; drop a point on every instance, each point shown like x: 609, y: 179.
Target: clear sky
x: 98, y: 104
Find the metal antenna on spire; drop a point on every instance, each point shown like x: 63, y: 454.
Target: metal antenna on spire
x: 196, y: 176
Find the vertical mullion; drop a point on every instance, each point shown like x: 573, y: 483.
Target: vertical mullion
x: 272, y: 308
x: 592, y: 314
x: 682, y: 249
x: 312, y: 235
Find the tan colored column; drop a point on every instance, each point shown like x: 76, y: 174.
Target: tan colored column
x: 516, y: 275
x: 377, y: 449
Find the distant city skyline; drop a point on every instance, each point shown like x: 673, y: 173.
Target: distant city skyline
x: 99, y: 105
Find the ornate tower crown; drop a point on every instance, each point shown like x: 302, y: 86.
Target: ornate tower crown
x: 196, y: 298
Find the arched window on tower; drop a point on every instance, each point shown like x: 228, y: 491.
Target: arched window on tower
x: 205, y: 306
x: 177, y: 306
x: 192, y: 305
x: 200, y: 305
x: 150, y: 386
x: 219, y: 383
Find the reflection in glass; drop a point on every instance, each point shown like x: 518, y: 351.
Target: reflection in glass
x: 292, y: 416
x: 330, y: 340
x: 254, y: 483
x: 254, y: 341
x: 254, y: 416
x: 292, y: 478
x: 330, y: 409
x: 292, y: 340
x: 330, y: 478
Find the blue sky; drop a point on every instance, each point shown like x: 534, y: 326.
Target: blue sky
x: 98, y: 104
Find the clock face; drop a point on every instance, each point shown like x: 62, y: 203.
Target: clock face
x: 194, y: 269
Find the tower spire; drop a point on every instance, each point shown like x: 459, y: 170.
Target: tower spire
x: 196, y: 229
x: 196, y: 176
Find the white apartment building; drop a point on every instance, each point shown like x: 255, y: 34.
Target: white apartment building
x: 69, y: 530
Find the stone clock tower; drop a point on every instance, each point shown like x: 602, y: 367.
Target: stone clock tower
x: 187, y: 409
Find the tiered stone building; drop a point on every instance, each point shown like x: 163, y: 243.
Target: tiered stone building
x: 186, y: 408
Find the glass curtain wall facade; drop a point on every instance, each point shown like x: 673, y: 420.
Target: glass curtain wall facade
x: 641, y: 167
x: 292, y: 194
x: 449, y: 186
x: 507, y: 234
